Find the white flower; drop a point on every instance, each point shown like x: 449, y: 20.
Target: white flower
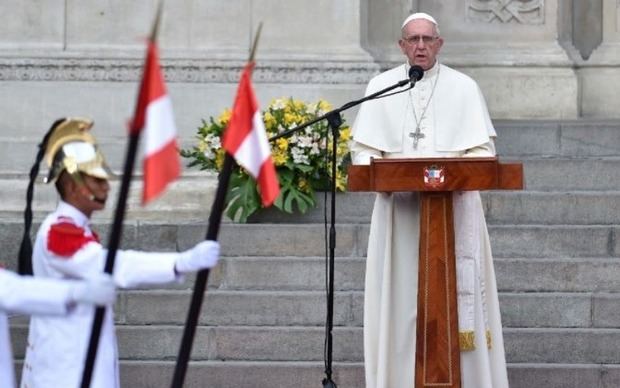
x: 209, y: 154
x: 213, y: 141
x: 279, y: 103
x: 305, y: 141
x: 299, y: 156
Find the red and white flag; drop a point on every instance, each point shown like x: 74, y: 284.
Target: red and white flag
x: 154, y: 116
x: 245, y: 139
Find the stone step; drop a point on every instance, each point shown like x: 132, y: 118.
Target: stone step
x: 251, y: 343
x: 553, y: 375
x: 304, y: 240
x: 285, y: 374
x: 190, y: 198
x: 143, y: 374
x: 572, y: 174
x: 563, y: 208
x: 307, y: 308
x: 540, y: 174
x: 558, y: 275
x: 516, y: 138
x: 501, y: 207
x: 513, y: 275
x: 239, y: 374
x: 187, y: 199
x: 255, y: 374
x: 570, y: 138
x: 595, y: 274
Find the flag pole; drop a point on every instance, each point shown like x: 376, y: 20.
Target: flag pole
x: 215, y: 218
x: 117, y: 229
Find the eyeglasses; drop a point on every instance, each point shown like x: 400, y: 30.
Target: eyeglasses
x: 415, y: 39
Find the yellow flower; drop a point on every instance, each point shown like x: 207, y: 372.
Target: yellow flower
x: 224, y: 117
x: 341, y: 181
x: 290, y: 118
x: 270, y: 121
x: 345, y: 133
x: 279, y: 157
x: 282, y: 144
x: 202, y: 145
x: 219, y: 158
x: 341, y: 184
x: 299, y: 105
x: 324, y: 105
x: 303, y: 185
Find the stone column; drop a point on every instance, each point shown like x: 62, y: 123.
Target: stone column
x: 600, y: 73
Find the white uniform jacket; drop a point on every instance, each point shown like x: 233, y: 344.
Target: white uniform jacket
x: 66, y: 247
x: 25, y: 295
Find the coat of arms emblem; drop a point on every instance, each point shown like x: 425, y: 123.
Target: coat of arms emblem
x: 434, y: 176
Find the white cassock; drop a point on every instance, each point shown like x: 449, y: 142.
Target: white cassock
x: 453, y: 119
x: 66, y: 248
x: 25, y: 295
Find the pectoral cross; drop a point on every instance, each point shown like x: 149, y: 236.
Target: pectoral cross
x: 416, y: 136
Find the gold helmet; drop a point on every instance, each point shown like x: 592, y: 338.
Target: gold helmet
x: 72, y: 147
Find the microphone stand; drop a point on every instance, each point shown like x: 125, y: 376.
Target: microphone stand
x: 334, y: 120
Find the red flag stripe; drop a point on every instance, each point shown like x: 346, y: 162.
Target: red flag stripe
x: 268, y: 182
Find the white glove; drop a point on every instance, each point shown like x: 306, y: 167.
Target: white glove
x: 99, y: 290
x: 204, y: 255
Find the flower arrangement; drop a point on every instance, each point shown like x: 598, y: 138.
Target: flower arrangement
x: 302, y: 161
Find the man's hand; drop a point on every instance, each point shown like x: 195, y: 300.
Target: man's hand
x: 98, y: 290
x: 204, y: 255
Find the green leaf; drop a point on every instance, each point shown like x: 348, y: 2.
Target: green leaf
x: 294, y: 198
x: 242, y: 198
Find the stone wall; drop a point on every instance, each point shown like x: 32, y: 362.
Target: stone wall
x: 76, y: 57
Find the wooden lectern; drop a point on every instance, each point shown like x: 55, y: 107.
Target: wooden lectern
x: 437, y: 351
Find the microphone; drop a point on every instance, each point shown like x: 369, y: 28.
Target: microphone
x: 415, y: 74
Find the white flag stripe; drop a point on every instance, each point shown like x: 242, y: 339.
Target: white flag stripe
x: 160, y: 124
x: 254, y: 149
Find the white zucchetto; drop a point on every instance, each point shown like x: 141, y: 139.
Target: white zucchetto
x: 419, y: 15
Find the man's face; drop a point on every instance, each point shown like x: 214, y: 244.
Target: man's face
x: 91, y: 195
x: 420, y: 43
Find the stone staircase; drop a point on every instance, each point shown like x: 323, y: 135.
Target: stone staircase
x: 557, y: 261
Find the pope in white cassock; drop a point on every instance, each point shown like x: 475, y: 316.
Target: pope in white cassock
x: 445, y: 115
x: 26, y: 295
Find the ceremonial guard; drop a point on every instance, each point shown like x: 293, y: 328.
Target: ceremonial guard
x: 66, y: 246
x: 26, y: 295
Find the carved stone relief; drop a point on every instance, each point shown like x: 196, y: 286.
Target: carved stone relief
x: 506, y: 11
x: 194, y: 71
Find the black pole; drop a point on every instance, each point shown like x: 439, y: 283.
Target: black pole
x: 115, y: 238
x: 335, y: 121
x: 193, y: 314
